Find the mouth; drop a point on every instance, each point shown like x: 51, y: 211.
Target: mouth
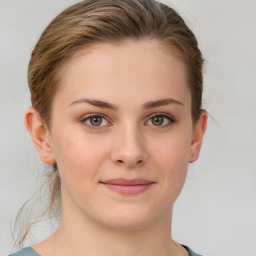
x: 128, y: 187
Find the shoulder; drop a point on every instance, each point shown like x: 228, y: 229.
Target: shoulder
x: 191, y: 253
x: 28, y: 251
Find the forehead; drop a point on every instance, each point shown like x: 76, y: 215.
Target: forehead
x: 126, y: 69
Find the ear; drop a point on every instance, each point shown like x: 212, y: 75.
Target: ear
x: 198, y: 134
x: 40, y: 136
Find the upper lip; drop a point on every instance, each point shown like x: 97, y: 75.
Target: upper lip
x: 127, y: 182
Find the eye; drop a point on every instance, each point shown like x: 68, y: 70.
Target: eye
x: 95, y: 120
x: 161, y: 120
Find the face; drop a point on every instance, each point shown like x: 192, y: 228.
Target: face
x: 122, y: 134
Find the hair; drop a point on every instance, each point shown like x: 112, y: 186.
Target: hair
x: 105, y: 21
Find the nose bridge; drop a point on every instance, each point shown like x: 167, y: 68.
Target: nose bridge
x: 129, y: 146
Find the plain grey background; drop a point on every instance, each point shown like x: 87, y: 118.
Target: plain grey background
x: 216, y: 212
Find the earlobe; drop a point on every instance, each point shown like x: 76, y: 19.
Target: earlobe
x: 198, y: 134
x: 40, y: 136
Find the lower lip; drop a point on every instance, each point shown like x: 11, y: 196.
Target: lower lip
x: 128, y: 189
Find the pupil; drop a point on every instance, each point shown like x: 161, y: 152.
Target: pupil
x: 158, y: 120
x: 96, y: 121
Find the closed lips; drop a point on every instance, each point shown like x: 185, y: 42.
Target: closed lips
x: 126, y: 182
x: 128, y: 187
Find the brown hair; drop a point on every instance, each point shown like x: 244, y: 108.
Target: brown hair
x: 113, y: 21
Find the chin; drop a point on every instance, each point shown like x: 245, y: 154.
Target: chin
x: 128, y: 218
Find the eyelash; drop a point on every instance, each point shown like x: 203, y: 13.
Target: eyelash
x: 170, y: 119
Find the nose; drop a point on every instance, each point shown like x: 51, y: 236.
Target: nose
x: 128, y: 149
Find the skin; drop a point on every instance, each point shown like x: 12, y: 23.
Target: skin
x: 128, y: 143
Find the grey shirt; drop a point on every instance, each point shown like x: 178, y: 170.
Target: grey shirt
x: 28, y: 251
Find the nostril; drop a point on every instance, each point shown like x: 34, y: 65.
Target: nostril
x: 122, y: 162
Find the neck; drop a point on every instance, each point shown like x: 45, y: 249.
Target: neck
x: 89, y: 239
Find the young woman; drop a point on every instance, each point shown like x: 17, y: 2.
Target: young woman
x: 116, y: 91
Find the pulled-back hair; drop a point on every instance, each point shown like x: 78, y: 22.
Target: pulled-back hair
x: 106, y: 21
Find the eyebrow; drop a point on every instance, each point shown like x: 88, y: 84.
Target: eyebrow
x: 147, y: 105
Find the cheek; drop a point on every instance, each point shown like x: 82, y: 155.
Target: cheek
x: 173, y: 150
x: 78, y: 156
x: 172, y: 159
